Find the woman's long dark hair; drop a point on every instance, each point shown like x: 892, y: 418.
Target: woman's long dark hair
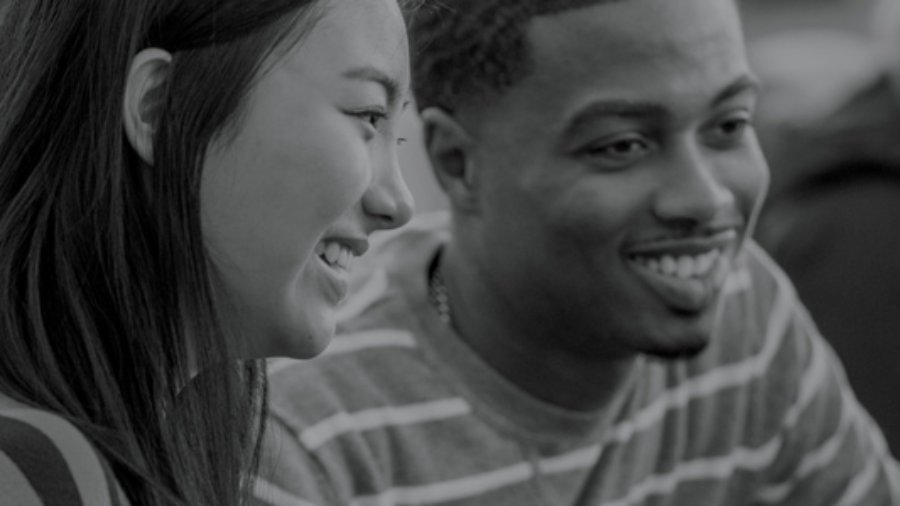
x: 107, y: 295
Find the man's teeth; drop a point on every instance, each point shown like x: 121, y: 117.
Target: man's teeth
x: 335, y: 254
x: 683, y: 266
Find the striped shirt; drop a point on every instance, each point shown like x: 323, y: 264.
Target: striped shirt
x: 46, y: 461
x: 399, y: 411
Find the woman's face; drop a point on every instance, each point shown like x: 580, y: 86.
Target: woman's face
x: 291, y: 194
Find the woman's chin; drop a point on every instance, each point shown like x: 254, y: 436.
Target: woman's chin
x: 309, y: 339
x: 311, y: 346
x: 298, y: 340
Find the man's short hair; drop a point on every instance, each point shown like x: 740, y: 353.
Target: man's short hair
x: 465, y: 50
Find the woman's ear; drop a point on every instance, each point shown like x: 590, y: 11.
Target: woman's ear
x: 143, y: 101
x: 450, y: 149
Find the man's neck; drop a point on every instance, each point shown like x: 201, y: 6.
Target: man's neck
x: 517, y: 346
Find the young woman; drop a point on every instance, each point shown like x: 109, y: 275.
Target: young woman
x: 183, y: 183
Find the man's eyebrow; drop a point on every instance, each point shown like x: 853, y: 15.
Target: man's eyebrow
x: 372, y: 74
x: 618, y: 108
x: 746, y: 82
x: 638, y: 110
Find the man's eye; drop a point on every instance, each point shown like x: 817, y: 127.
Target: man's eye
x: 624, y: 148
x: 619, y: 152
x: 730, y: 132
x: 734, y: 127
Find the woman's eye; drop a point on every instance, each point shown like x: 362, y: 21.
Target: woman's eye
x: 373, y: 117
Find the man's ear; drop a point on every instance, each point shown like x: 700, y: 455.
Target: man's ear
x: 143, y: 100
x: 449, y: 148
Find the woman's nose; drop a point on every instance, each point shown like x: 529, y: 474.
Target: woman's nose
x: 388, y: 201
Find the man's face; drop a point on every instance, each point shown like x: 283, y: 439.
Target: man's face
x: 620, y: 177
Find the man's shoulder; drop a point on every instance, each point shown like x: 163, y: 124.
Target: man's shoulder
x: 757, y: 298
x: 758, y: 279
x: 370, y: 371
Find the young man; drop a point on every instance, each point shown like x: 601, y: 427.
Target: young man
x: 589, y: 326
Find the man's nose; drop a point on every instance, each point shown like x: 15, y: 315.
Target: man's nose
x: 693, y: 194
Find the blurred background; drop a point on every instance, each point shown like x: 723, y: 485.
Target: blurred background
x: 829, y: 122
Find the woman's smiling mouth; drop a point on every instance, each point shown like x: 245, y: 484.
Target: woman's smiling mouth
x: 335, y: 255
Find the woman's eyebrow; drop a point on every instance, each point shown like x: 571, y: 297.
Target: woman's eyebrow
x: 372, y: 74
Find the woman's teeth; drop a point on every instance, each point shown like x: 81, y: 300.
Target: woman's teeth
x: 683, y: 266
x: 334, y: 254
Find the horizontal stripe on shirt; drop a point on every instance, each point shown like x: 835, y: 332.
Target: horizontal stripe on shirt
x: 341, y: 423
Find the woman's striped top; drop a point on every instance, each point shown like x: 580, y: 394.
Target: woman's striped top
x: 46, y: 461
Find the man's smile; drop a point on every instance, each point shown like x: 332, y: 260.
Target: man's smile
x: 687, y: 274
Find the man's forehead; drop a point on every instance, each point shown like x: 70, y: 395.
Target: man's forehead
x: 637, y: 32
x: 649, y: 24
x: 548, y: 8
x: 637, y: 54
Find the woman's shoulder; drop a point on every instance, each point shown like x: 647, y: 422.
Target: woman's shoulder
x: 45, y: 460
